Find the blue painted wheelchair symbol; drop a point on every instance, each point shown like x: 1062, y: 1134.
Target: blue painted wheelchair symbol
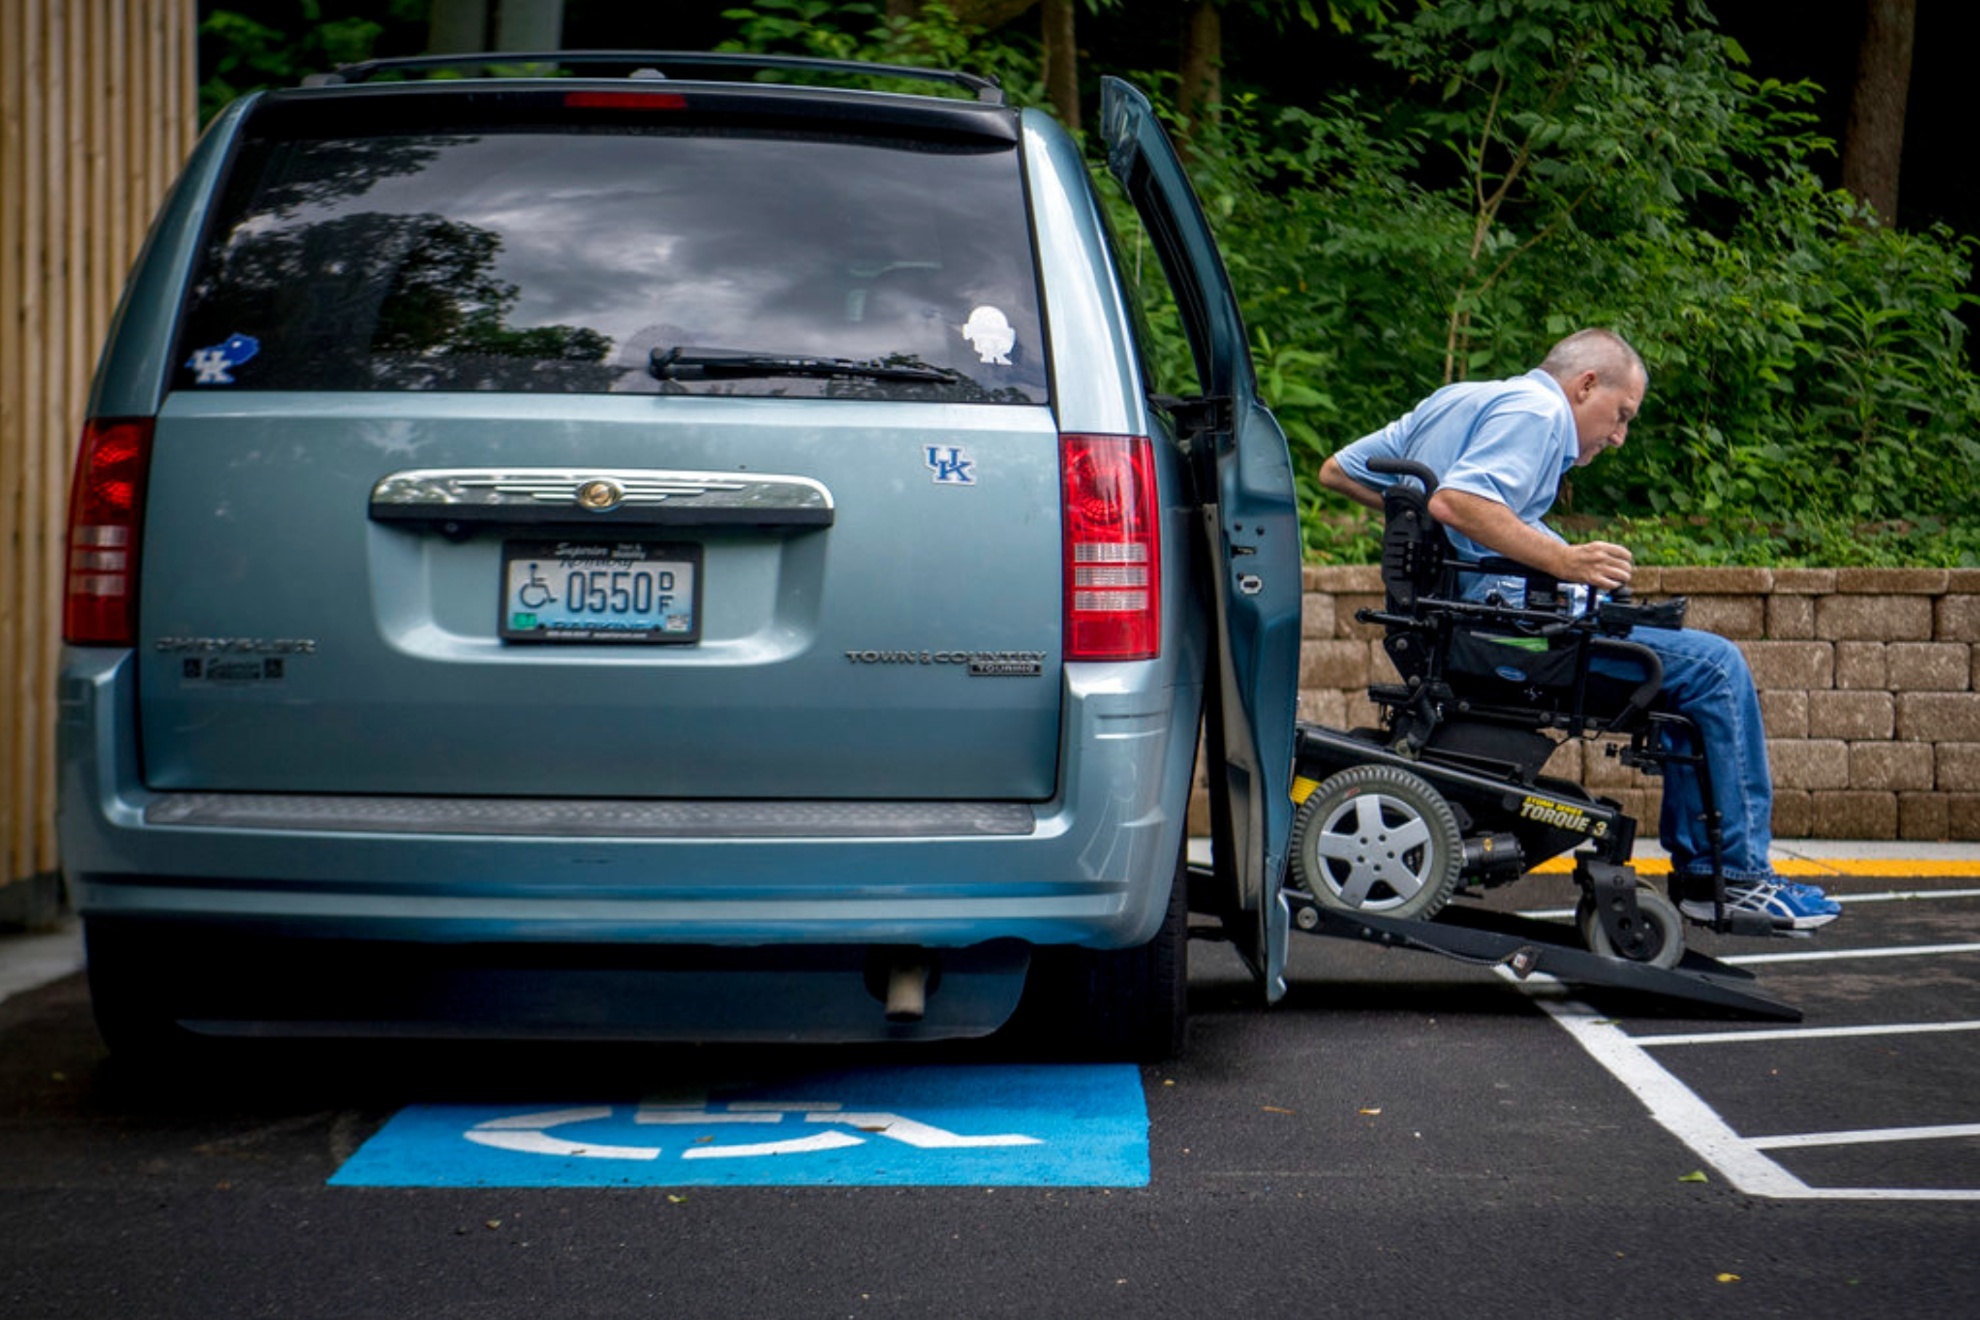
x: 942, y: 1125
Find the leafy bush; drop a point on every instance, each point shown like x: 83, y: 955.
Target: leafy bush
x: 1533, y: 166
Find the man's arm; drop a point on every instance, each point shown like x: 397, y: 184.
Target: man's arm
x: 1335, y: 478
x: 1599, y: 564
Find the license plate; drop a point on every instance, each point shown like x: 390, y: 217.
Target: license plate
x: 600, y: 591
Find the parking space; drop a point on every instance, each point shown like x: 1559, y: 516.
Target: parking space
x: 1869, y: 1098
x: 1402, y: 1132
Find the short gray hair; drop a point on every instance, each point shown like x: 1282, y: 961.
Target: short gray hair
x: 1603, y: 352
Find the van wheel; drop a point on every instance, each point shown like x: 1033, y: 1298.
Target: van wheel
x: 128, y: 991
x: 1126, y: 1005
x: 1377, y: 839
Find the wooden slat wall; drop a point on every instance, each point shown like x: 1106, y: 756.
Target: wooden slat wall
x: 97, y: 112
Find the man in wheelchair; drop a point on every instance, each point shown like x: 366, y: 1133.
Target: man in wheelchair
x: 1502, y: 632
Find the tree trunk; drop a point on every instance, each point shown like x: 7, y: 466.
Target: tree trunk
x: 530, y: 25
x: 1061, y: 61
x: 1873, y: 146
x: 457, y: 27
x: 1202, y: 86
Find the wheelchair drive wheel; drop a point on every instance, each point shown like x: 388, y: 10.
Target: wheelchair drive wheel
x: 1665, y: 928
x: 1377, y: 839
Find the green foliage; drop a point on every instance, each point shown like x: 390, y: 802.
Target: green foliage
x: 276, y: 44
x: 1540, y: 165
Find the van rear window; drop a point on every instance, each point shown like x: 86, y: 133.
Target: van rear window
x: 553, y: 260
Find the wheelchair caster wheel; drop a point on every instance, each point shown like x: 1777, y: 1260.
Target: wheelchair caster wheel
x: 1665, y: 933
x: 1377, y: 839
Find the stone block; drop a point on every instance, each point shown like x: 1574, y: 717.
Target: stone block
x: 1717, y: 581
x: 1641, y: 803
x: 1930, y: 666
x: 1568, y: 759
x: 1784, y: 714
x: 1737, y: 617
x: 1346, y: 625
x: 1957, y: 619
x: 1857, y: 716
x: 1922, y: 816
x: 1316, y: 614
x: 1381, y: 669
x: 1863, y: 665
x: 1790, y: 618
x: 1856, y: 815
x: 1963, y: 816
x: 1890, y: 766
x: 1199, y: 814
x: 1339, y: 662
x: 1359, y: 712
x: 1880, y: 618
x: 1804, y: 581
x: 1891, y: 581
x: 1810, y: 763
x: 1956, y: 767
x: 1323, y: 707
x: 1358, y: 579
x: 1938, y: 716
x: 1794, y: 813
x: 1791, y: 666
x: 1601, y: 771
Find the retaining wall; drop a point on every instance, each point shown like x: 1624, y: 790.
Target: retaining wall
x: 1869, y: 681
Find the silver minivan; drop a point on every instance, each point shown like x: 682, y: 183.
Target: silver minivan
x: 658, y: 553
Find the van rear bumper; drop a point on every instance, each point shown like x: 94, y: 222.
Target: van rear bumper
x: 1090, y: 867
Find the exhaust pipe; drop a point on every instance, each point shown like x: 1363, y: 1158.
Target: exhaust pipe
x: 907, y: 987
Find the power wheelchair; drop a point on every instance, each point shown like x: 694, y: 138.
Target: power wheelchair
x: 1448, y: 795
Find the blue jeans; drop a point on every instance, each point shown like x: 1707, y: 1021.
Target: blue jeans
x: 1707, y: 681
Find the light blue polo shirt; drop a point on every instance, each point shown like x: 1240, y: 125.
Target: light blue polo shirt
x: 1504, y: 440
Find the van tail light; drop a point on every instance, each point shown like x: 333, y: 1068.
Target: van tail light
x: 1113, y: 548
x: 106, y: 504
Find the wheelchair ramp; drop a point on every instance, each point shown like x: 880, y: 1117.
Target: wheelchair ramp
x: 1526, y: 946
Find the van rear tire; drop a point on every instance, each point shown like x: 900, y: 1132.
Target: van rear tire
x: 1114, y: 1005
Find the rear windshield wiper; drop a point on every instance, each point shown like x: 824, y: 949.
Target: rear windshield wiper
x: 683, y: 363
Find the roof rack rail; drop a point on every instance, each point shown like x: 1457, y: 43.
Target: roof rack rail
x: 653, y: 64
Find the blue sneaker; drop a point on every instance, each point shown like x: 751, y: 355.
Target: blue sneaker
x: 1788, y: 906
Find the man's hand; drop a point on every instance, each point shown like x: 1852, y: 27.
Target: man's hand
x: 1598, y: 564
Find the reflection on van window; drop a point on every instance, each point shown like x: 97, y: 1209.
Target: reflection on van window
x: 559, y: 262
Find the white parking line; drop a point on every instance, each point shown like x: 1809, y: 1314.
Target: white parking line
x: 1682, y: 1113
x: 1843, y: 955
x: 1866, y: 1136
x: 1742, y: 1160
x: 1803, y: 1033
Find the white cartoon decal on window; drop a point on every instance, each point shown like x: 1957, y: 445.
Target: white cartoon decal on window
x: 990, y: 334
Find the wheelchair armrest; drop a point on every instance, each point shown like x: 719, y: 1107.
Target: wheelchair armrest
x: 1653, y: 670
x: 1620, y: 616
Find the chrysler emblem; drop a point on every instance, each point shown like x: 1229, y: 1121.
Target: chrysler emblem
x: 600, y: 495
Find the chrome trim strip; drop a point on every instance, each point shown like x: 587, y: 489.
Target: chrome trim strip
x: 622, y: 495
x: 591, y: 818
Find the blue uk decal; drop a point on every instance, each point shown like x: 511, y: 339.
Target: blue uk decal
x: 951, y: 465
x: 214, y: 366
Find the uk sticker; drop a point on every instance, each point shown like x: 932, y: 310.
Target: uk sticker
x: 214, y: 366
x: 951, y: 465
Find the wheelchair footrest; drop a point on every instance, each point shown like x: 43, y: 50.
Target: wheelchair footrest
x: 1526, y: 946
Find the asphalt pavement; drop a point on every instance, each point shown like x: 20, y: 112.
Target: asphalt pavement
x: 1403, y: 1135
